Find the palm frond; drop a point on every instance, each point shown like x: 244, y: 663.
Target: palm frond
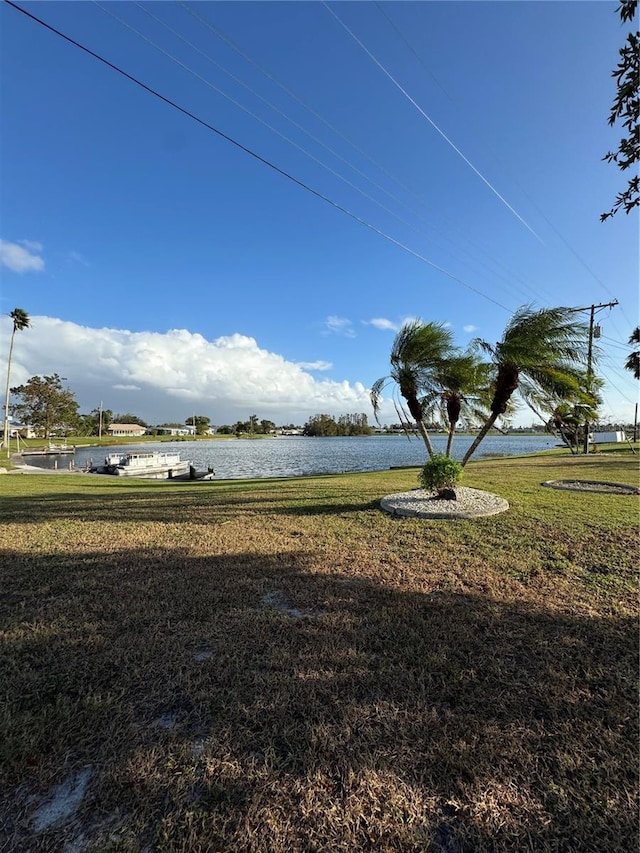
x: 404, y: 418
x: 633, y: 364
x: 544, y: 336
x: 480, y: 345
x: 375, y: 394
x: 20, y: 319
x: 421, y: 344
x: 404, y: 341
x: 633, y: 359
x: 557, y: 380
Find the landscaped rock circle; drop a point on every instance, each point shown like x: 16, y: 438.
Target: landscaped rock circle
x: 592, y: 486
x: 421, y: 503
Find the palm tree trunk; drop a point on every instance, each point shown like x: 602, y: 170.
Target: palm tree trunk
x: 485, y: 429
x: 415, y: 407
x: 563, y: 436
x: 452, y: 432
x: 506, y: 384
x: 425, y: 437
x: 5, y: 438
x: 454, y: 404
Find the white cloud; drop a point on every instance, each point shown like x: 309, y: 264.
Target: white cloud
x: 383, y: 323
x: 339, y: 326
x: 470, y: 328
x: 20, y: 259
x: 31, y: 245
x: 315, y: 365
x: 163, y: 377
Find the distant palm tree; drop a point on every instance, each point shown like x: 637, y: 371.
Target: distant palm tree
x: 633, y: 359
x: 569, y: 420
x: 20, y: 321
x: 539, y: 354
x: 567, y: 423
x: 418, y: 353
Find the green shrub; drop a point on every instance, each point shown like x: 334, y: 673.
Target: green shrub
x: 440, y: 473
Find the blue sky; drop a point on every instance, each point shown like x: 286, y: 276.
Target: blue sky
x: 167, y: 271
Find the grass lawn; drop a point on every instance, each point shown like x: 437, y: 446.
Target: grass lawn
x: 277, y: 666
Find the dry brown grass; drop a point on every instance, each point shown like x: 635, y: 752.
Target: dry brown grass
x: 278, y: 666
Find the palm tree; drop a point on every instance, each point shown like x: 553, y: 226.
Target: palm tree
x: 567, y: 424
x: 570, y: 418
x: 538, y: 355
x: 465, y: 385
x: 20, y: 321
x: 633, y: 359
x: 418, y: 353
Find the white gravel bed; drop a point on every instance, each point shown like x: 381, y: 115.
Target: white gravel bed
x: 593, y: 486
x: 420, y: 503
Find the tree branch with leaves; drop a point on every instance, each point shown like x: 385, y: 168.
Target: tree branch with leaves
x: 626, y: 110
x: 633, y: 359
x: 46, y: 405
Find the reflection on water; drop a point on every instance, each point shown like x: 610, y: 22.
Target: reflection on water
x: 297, y: 456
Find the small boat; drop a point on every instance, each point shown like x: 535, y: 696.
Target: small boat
x: 152, y: 465
x: 50, y: 450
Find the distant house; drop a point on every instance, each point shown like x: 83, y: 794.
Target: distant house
x: 183, y: 430
x: 23, y: 430
x: 131, y: 430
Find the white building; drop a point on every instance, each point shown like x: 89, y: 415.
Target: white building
x: 182, y: 430
x: 129, y: 430
x: 23, y: 430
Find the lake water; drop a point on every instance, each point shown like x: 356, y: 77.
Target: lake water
x: 302, y: 456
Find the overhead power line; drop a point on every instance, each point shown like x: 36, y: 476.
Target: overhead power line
x: 412, y: 50
x: 551, y: 225
x: 513, y: 277
x: 287, y: 139
x: 619, y: 390
x: 260, y: 97
x: 431, y: 121
x: 270, y: 76
x: 254, y: 154
x: 248, y: 111
x: 618, y: 344
x: 534, y: 290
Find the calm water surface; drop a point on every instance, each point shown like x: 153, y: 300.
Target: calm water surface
x: 297, y: 456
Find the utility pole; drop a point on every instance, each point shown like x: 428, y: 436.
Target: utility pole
x: 592, y: 312
x: 589, y: 373
x: 100, y: 422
